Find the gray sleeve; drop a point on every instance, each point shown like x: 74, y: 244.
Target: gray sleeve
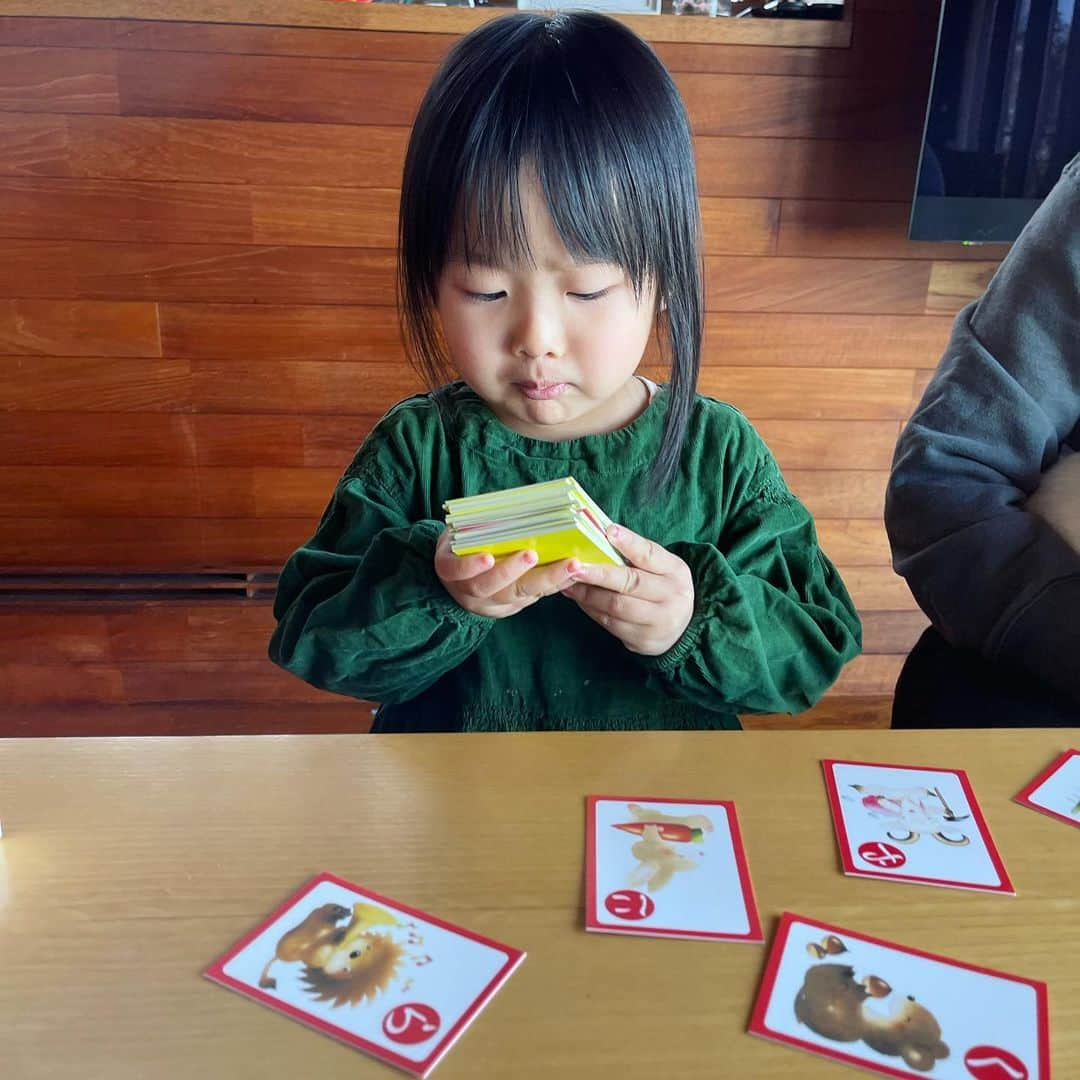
x: 1005, y: 397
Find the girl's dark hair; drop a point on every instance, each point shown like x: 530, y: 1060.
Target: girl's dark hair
x: 586, y: 105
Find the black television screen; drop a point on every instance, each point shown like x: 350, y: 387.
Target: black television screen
x: 1003, y: 118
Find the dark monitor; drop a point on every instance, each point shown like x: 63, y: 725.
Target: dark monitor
x: 1003, y: 118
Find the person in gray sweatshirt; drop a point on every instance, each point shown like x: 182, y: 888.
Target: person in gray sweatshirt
x: 998, y: 576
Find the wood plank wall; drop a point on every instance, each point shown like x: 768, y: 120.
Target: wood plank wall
x: 196, y: 327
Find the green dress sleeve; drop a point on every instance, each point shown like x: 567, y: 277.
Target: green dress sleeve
x: 773, y: 623
x: 360, y: 609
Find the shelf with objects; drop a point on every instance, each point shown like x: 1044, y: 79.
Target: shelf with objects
x: 787, y: 23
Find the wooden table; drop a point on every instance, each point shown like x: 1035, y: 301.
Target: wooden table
x: 128, y: 864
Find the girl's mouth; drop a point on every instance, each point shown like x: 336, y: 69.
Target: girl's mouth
x: 541, y: 391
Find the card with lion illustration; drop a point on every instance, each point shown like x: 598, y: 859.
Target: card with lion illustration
x: 384, y: 977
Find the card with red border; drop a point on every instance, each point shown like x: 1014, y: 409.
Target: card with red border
x: 383, y: 977
x: 914, y: 824
x: 667, y: 868
x: 1056, y: 790
x: 898, y: 1011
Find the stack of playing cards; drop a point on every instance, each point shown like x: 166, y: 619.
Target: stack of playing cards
x: 556, y: 519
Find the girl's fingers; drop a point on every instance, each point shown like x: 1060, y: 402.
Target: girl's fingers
x: 603, y: 604
x: 543, y: 581
x: 642, y: 553
x: 624, y: 580
x: 517, y: 580
x: 502, y: 574
x: 451, y: 567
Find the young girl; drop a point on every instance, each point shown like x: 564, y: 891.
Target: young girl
x: 549, y: 226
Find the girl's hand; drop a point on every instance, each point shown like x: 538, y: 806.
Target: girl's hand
x: 646, y: 605
x: 497, y: 588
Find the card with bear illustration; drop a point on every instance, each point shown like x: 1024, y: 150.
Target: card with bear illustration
x: 383, y: 977
x: 898, y: 1011
x: 913, y: 824
x: 1056, y: 790
x: 667, y: 868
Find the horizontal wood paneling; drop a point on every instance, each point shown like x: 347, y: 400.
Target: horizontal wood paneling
x: 852, y: 541
x: 298, y: 332
x: 211, y: 717
x: 59, y: 80
x: 328, y: 90
x: 124, y: 543
x: 79, y: 328
x: 203, y: 631
x: 868, y: 674
x: 75, y: 209
x: 116, y: 684
x: 865, y: 57
x: 812, y: 393
x: 825, y: 341
x: 954, y: 284
x: 190, y: 151
x: 277, y: 385
x: 130, y: 211
x: 156, y: 439
x: 280, y: 332
x: 64, y: 541
x: 248, y: 274
x: 870, y: 230
x: 161, y: 440
x: 836, y: 493
x: 60, y: 383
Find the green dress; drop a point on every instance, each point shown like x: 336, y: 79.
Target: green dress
x: 361, y: 612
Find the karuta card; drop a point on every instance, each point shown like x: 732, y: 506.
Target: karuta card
x: 1056, y: 791
x: 667, y: 868
x: 378, y: 975
x: 908, y: 823
x: 898, y: 1011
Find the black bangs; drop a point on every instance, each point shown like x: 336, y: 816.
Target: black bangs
x: 569, y: 122
x: 579, y: 102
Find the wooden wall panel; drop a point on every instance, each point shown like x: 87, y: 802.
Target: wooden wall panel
x: 58, y: 80
x: 197, y: 324
x: 78, y: 328
x: 865, y: 57
x: 149, y: 36
x: 255, y: 332
x: 818, y: 227
x: 824, y: 341
x: 181, y: 150
x: 110, y: 210
x: 102, y: 384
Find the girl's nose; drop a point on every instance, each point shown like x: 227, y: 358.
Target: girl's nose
x: 539, y: 332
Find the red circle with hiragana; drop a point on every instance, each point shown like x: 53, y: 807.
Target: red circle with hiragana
x: 993, y: 1063
x: 412, y: 1023
x: 629, y: 904
x: 885, y: 856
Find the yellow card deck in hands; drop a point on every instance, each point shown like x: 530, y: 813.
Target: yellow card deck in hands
x: 556, y: 519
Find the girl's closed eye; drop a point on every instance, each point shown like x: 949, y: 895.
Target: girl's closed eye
x: 598, y: 295
x: 490, y: 297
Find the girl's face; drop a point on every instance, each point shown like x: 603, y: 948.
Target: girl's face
x: 552, y: 348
